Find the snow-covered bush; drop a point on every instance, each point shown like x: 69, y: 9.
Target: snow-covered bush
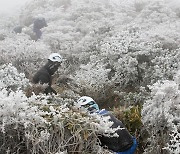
x: 138, y: 63
x: 135, y: 36
x: 42, y: 124
x: 160, y: 116
x: 25, y: 54
x: 137, y: 51
x: 112, y: 48
x: 93, y: 77
x: 11, y: 79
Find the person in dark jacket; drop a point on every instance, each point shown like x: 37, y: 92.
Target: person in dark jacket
x: 124, y: 143
x: 38, y: 24
x: 44, y: 75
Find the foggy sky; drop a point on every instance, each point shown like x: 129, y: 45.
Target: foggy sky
x: 9, y: 6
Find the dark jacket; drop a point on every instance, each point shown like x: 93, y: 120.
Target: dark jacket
x: 39, y: 23
x: 116, y: 144
x: 44, y: 76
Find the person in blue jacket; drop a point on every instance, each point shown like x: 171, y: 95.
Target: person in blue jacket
x: 124, y: 143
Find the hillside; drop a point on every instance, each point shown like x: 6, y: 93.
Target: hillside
x: 124, y: 54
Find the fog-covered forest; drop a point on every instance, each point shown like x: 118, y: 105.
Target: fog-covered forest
x: 125, y: 54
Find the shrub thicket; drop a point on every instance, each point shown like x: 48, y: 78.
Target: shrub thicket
x: 114, y: 50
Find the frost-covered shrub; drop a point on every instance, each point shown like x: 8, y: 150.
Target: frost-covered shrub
x: 174, y: 145
x: 82, y: 19
x: 112, y: 48
x: 137, y: 62
x: 136, y: 37
x: 45, y: 124
x: 23, y: 53
x: 10, y: 78
x: 16, y: 107
x: 93, y: 78
x: 16, y: 115
x: 160, y: 116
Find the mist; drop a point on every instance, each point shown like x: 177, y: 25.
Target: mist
x: 11, y: 6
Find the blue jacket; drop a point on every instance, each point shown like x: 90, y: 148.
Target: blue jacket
x: 116, y: 144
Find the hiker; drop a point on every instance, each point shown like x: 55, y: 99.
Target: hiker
x: 44, y: 75
x: 124, y: 143
x: 38, y: 24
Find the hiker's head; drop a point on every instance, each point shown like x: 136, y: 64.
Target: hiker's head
x: 87, y: 103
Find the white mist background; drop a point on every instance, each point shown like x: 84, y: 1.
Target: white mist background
x: 10, y: 6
